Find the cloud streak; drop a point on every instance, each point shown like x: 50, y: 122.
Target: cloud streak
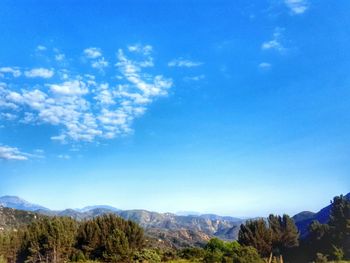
x: 275, y: 43
x: 92, y: 52
x: 184, y: 63
x: 12, y: 153
x: 39, y: 73
x: 297, y: 7
x: 14, y: 71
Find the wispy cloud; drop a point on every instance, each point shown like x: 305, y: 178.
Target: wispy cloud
x: 92, y: 52
x: 138, y: 48
x: 195, y: 78
x: 297, y: 6
x: 275, y: 43
x: 68, y: 88
x: 100, y: 63
x: 39, y: 73
x: 14, y: 71
x: 63, y: 156
x: 85, y: 107
x: 41, y: 48
x: 180, y: 62
x: 60, y: 57
x: 264, y: 65
x: 97, y: 61
x: 12, y: 153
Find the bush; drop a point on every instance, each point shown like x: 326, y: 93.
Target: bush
x: 147, y: 255
x: 220, y: 251
x: 192, y: 253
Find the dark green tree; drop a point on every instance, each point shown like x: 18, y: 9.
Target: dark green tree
x: 256, y: 233
x: 339, y: 226
x: 284, y: 233
x: 50, y: 239
x: 110, y: 238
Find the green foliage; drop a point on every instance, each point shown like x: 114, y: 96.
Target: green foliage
x: 339, y: 224
x: 244, y: 254
x: 192, y: 253
x: 51, y: 239
x: 147, y: 255
x: 2, y: 259
x: 10, y: 244
x: 220, y: 251
x: 276, y: 236
x: 62, y: 239
x: 256, y: 233
x: 109, y: 238
x: 333, y: 238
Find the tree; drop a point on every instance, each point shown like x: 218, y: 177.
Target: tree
x: 339, y: 224
x: 50, y: 239
x: 256, y: 233
x: 284, y: 233
x: 331, y: 239
x: 109, y: 238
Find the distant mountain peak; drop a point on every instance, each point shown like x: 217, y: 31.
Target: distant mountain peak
x: 93, y: 207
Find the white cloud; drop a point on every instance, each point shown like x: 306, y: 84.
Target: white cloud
x: 195, y: 78
x: 275, y: 42
x: 11, y: 70
x: 85, y: 107
x: 8, y: 116
x: 59, y: 57
x: 64, y: 156
x: 74, y: 87
x: 96, y: 59
x: 104, y: 95
x: 297, y: 6
x: 39, y: 73
x: 41, y: 48
x: 180, y: 62
x: 264, y: 65
x: 100, y: 63
x: 92, y: 52
x: 12, y: 153
x: 145, y: 50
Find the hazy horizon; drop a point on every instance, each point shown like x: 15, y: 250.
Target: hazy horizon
x: 231, y: 108
x: 183, y: 212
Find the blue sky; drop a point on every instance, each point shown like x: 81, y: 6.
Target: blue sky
x: 228, y: 107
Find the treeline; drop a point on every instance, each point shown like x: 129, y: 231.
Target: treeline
x: 61, y: 239
x: 276, y: 240
x: 107, y: 238
x: 278, y: 237
x: 112, y: 239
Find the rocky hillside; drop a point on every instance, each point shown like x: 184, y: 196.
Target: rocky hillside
x: 163, y: 228
x: 12, y: 218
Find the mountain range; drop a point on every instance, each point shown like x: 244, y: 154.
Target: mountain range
x: 165, y: 228
x: 168, y: 228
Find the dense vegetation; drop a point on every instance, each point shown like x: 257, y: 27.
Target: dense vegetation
x: 278, y: 236
x: 110, y: 238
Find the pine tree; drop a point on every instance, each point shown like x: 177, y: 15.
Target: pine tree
x: 257, y: 234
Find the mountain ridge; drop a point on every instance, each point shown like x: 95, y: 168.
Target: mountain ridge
x: 170, y: 227
x: 305, y: 218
